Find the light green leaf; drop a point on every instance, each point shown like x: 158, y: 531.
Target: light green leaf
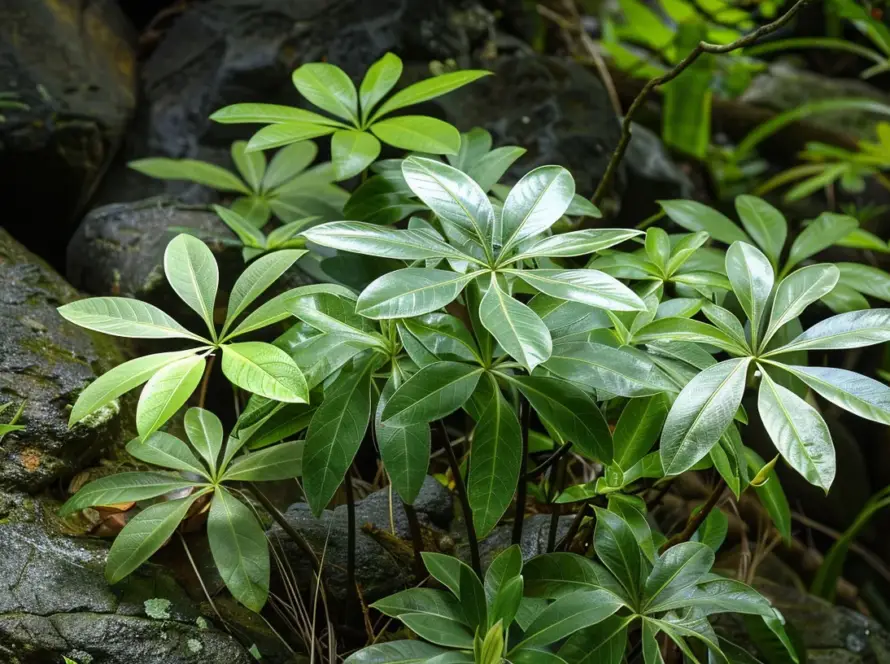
x: 380, y: 78
x: 616, y: 546
x: 569, y: 614
x: 418, y: 133
x: 123, y: 317
x: 591, y: 287
x: 438, y: 631
x: 429, y: 89
x: 701, y: 413
x: 192, y: 272
x: 865, y: 279
x: 239, y: 549
x: 797, y: 291
x: 495, y: 464
x: 603, y: 643
x: 279, y: 462
x: 144, y: 534
x: 444, y: 336
x: 120, y: 380
x: 328, y: 87
x: 861, y: 395
x: 335, y: 433
x: 396, y: 652
x: 679, y: 567
x: 435, y: 391
x: 764, y: 223
x: 826, y: 230
x: 577, y: 243
x: 263, y: 369
x: 411, y: 292
x: 850, y: 330
x: 205, y: 432
x: 684, y: 250
x: 254, y: 281
x: 251, y: 166
x: 269, y: 114
x: 247, y: 232
x: 192, y: 170
x: 694, y: 216
x: 166, y: 392
x: 534, y: 204
x: 278, y: 308
x: 637, y: 429
x: 405, y: 451
x: 445, y: 569
x: 752, y: 278
x: 123, y: 488
x: 375, y: 240
x: 288, y: 163
x: 352, y: 152
x: 686, y: 329
x: 490, y: 168
x: 279, y: 135
x: 658, y: 247
x: 516, y: 328
x: 506, y: 567
x: 255, y: 210
x: 726, y: 321
x: 162, y: 449
x: 798, y: 432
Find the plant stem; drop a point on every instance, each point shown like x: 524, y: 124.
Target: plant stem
x: 696, y: 519
x: 549, y: 461
x: 202, y: 395
x: 670, y: 75
x: 559, y: 478
x: 566, y: 541
x: 461, y: 489
x: 286, y: 526
x: 416, y: 540
x: 522, y: 489
x: 351, y: 589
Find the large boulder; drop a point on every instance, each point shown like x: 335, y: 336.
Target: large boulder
x: 54, y: 601
x: 46, y: 361
x: 69, y: 68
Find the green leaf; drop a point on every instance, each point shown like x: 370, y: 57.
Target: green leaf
x: 534, y: 204
x: 850, y: 330
x: 328, y: 87
x: 581, y: 207
x: 658, y: 247
x: 684, y: 250
x: 797, y: 291
x: 694, y: 216
x: 269, y: 114
x: 380, y: 78
x: 553, y: 575
x: 263, y: 369
x: 120, y: 380
x: 728, y: 323
x: 591, y: 287
x: 679, y: 567
x: 516, y: 328
x: 192, y: 170
x: 254, y: 281
x: 396, y: 652
x: 453, y: 196
x: 433, y: 603
x: 251, y: 166
x: 505, y: 605
x: 162, y: 449
x: 569, y: 614
x: 249, y: 235
x: 205, y: 432
x: 429, y: 89
x: 418, y: 133
x: 445, y: 569
x: 144, y: 534
x: 123, y: 488
x: 505, y: 568
x: 865, y: 279
x: 472, y: 599
x: 278, y: 308
x: 651, y: 649
x: 577, y: 243
x: 688, y: 330
x: 572, y: 413
x: 603, y: 643
x: 411, y: 292
x: 239, y: 549
x: 752, y: 278
x: 435, y: 391
x: 166, y: 392
x: 615, y: 370
x: 279, y: 462
x: 712, y: 532
x: 491, y: 167
x: 405, y: 451
x: 715, y: 594
x: 771, y: 495
x: 279, y: 135
x: 861, y: 395
x: 352, y: 152
x: 825, y: 231
x: 438, y: 631
x: 495, y: 464
x: 764, y: 223
x: 123, y: 317
x: 288, y: 163
x: 616, y: 546
x: 638, y: 428
x: 701, y: 413
x: 374, y: 240
x: 335, y: 433
x: 798, y: 432
x: 444, y: 336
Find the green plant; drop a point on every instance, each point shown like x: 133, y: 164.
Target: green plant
x: 206, y: 471
x: 12, y: 425
x: 355, y: 144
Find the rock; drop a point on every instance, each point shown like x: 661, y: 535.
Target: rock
x: 382, y: 562
x: 71, y: 65
x: 46, y: 361
x: 535, y: 533
x: 556, y: 109
x: 54, y: 601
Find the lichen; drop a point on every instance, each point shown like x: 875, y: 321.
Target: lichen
x: 102, y: 416
x: 202, y: 623
x: 194, y: 645
x: 158, y: 608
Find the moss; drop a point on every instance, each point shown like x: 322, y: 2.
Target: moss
x: 194, y: 645
x: 157, y: 608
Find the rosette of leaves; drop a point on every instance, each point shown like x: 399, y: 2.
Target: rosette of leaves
x: 283, y: 186
x: 254, y: 242
x: 205, y: 472
x: 766, y: 227
x: 361, y: 123
x: 171, y: 377
x: 772, y: 343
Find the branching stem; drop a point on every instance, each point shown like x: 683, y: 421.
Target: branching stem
x: 697, y: 519
x: 464, y: 499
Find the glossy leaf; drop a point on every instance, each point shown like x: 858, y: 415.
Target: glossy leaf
x: 374, y: 240
x: 438, y: 631
x: 279, y: 462
x: 591, y: 287
x: 553, y: 575
x: 694, y: 216
x: 752, y: 278
x: 288, y: 163
x: 849, y: 330
x: 685, y: 329
x: 192, y: 170
x: 444, y: 336
x: 678, y: 568
x: 279, y: 135
x: 429, y: 89
x: 279, y: 307
x: 797, y: 291
x: 405, y: 451
x: 638, y: 428
x: 577, y: 243
x: 162, y: 449
x: 569, y: 614
x: 770, y: 493
x: 249, y: 235
x: 380, y: 78
x: 764, y: 223
x: 166, y: 392
x: 435, y: 391
x: 269, y: 114
x: 603, y: 643
x: 825, y: 231
x: 861, y: 395
x: 491, y: 167
x: 256, y: 279
x: 352, y: 152
x: 616, y: 546
x: 506, y: 567
x: 534, y: 204
x: 418, y: 133
x: 123, y: 317
x: 329, y: 88
x: 658, y: 247
x: 396, y: 652
x: 263, y: 369
x: 251, y: 166
x: 866, y: 279
x: 205, y: 432
x: 123, y: 488
x: 411, y: 292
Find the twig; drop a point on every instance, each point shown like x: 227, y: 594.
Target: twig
x: 202, y: 395
x: 696, y: 519
x: 559, y: 480
x: 566, y: 541
x: 416, y: 540
x: 464, y: 499
x: 670, y: 75
x: 351, y: 589
x: 553, y: 458
x: 522, y: 489
x: 286, y: 526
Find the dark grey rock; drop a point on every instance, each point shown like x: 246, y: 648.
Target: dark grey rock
x: 54, y: 601
x: 535, y: 533
x: 46, y: 361
x: 73, y: 65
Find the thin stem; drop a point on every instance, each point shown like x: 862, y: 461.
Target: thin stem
x: 522, y: 489
x: 557, y: 484
x: 352, y: 588
x: 566, y: 541
x: 670, y: 75
x: 461, y: 489
x: 202, y: 395
x: 549, y: 461
x: 416, y: 540
x: 286, y: 525
x: 696, y: 519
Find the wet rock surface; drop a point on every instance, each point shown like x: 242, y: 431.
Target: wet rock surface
x: 46, y: 361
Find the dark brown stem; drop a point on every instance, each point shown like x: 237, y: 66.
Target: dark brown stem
x: 351, y: 589
x: 696, y: 519
x: 464, y: 499
x: 416, y: 540
x: 559, y: 478
x: 566, y: 541
x: 202, y: 395
x: 553, y: 458
x: 662, y: 492
x: 522, y: 489
x: 286, y: 526
x: 670, y: 75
